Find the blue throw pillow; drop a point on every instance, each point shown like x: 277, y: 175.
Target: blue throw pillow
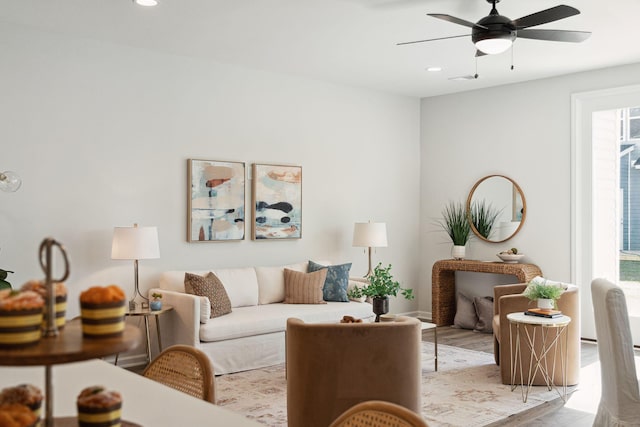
x: 335, y: 285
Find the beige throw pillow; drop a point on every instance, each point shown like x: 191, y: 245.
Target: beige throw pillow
x: 304, y: 288
x: 211, y: 287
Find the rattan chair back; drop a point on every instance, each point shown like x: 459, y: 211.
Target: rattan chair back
x: 184, y: 368
x: 377, y: 413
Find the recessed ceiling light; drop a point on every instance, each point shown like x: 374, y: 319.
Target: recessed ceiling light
x: 434, y: 69
x: 146, y: 2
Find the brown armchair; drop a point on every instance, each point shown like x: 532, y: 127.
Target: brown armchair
x: 509, y: 299
x: 333, y: 366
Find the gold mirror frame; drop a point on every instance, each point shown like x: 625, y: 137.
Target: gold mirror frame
x: 516, y: 191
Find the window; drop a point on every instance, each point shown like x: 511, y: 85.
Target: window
x: 634, y: 123
x: 629, y: 124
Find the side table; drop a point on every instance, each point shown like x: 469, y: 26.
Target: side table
x: 549, y: 332
x: 146, y: 313
x: 425, y: 326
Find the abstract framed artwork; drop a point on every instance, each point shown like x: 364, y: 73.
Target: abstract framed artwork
x: 277, y: 202
x: 216, y: 201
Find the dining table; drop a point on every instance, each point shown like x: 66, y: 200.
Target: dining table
x: 145, y: 403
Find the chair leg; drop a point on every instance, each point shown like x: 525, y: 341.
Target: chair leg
x: 496, y: 350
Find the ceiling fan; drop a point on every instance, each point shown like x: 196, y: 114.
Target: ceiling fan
x: 496, y: 33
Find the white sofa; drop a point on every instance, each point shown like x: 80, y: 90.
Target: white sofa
x: 253, y: 334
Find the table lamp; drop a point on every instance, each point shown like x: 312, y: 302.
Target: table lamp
x: 370, y: 235
x: 135, y: 243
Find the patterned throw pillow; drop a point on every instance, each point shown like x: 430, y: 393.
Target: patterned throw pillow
x: 211, y: 287
x: 303, y: 288
x: 336, y: 283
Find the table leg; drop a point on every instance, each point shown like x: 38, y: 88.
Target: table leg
x: 146, y: 327
x: 158, y: 333
x: 435, y: 344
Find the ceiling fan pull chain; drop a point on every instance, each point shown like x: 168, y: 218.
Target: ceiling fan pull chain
x: 512, y: 57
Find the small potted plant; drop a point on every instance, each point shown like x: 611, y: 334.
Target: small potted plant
x: 455, y: 223
x: 4, y: 284
x: 381, y: 286
x: 483, y: 217
x: 545, y: 295
x: 156, y: 301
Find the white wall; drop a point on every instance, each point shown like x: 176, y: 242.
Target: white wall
x: 101, y: 135
x: 522, y: 131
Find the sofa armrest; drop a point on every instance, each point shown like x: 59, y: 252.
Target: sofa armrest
x: 182, y: 324
x: 502, y: 290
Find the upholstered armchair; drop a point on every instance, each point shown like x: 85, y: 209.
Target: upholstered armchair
x: 334, y: 366
x: 509, y: 299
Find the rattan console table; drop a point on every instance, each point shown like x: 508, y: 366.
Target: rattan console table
x: 443, y: 282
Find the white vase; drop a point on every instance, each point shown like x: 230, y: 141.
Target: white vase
x: 458, y: 252
x: 545, y: 303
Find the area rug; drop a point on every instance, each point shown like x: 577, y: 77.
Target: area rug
x: 466, y: 391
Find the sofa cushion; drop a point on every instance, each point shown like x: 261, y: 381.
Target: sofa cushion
x: 271, y: 282
x: 241, y: 285
x: 336, y: 283
x: 269, y: 318
x: 211, y: 287
x: 304, y: 288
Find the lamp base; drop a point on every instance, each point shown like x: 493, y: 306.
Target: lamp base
x: 138, y: 305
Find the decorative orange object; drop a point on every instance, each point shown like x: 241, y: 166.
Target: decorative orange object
x: 15, y: 300
x: 16, y: 414
x: 102, y: 294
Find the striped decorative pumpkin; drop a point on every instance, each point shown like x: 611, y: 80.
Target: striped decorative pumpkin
x: 100, y: 417
x: 102, y: 320
x: 20, y: 327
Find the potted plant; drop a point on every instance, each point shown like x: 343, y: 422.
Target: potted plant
x: 455, y: 223
x: 546, y: 295
x: 4, y: 284
x: 483, y: 217
x: 156, y: 301
x: 381, y: 286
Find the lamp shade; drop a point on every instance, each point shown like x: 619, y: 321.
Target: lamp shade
x: 135, y: 243
x: 370, y: 234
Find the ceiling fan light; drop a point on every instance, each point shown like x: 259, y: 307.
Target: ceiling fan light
x: 494, y: 46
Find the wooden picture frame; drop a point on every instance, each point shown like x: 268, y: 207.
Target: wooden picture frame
x: 277, y: 202
x: 215, y: 201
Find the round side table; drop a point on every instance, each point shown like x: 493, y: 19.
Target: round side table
x: 553, y: 338
x: 146, y: 313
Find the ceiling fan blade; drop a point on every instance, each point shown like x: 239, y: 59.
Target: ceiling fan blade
x: 467, y: 77
x: 544, y: 16
x: 430, y: 40
x: 455, y: 20
x: 554, y: 35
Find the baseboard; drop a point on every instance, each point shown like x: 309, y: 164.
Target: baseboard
x: 422, y: 315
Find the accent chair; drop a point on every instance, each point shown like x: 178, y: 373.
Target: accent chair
x: 334, y: 366
x: 509, y: 299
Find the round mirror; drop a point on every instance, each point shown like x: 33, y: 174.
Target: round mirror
x: 496, y: 208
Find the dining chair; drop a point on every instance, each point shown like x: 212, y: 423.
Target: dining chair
x: 378, y: 413
x: 184, y: 368
x: 620, y: 399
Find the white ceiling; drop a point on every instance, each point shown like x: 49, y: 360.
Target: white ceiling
x: 347, y: 41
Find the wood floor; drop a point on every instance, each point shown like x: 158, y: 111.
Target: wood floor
x: 484, y: 342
